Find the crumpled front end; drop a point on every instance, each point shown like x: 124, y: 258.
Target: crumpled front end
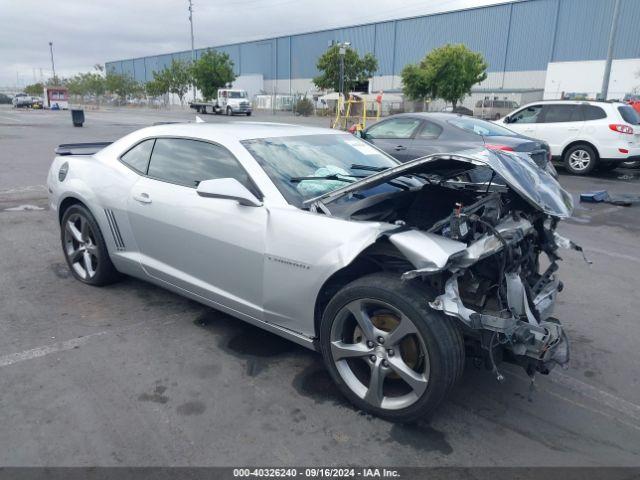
x: 496, y: 287
x: 479, y: 228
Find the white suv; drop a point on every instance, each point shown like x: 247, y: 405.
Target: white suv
x: 582, y: 135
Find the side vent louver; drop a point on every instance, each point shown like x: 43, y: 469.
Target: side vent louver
x: 115, y: 231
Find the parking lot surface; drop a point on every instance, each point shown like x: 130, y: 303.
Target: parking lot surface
x: 131, y: 374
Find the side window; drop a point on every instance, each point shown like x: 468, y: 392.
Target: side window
x: 138, y: 157
x: 561, y: 113
x: 591, y: 112
x: 396, y: 128
x: 429, y: 131
x: 188, y: 162
x: 528, y: 115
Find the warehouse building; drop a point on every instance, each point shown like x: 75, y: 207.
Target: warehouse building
x: 534, y: 49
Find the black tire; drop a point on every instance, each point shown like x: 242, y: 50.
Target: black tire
x: 438, y: 333
x: 585, y: 156
x: 229, y: 112
x: 248, y: 114
x: 105, y: 272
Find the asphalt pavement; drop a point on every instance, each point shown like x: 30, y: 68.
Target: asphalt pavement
x: 134, y: 375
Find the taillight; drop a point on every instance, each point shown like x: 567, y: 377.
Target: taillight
x: 616, y: 127
x: 499, y: 147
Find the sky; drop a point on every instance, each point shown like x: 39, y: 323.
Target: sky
x: 89, y: 32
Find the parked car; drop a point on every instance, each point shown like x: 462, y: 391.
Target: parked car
x: 583, y: 135
x: 459, y: 109
x: 493, y: 109
x: 392, y: 271
x: 412, y: 135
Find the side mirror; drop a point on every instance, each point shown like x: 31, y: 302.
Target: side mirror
x: 507, y: 119
x: 228, y: 188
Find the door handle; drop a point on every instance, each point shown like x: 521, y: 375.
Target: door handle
x: 142, y: 197
x: 400, y: 147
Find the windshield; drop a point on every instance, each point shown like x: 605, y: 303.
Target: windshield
x: 335, y: 160
x: 481, y: 127
x: 237, y: 95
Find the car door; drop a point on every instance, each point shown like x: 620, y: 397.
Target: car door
x: 427, y: 140
x: 525, y: 121
x: 559, y: 124
x: 394, y: 136
x: 211, y: 247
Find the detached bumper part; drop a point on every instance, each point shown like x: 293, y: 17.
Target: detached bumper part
x: 523, y: 335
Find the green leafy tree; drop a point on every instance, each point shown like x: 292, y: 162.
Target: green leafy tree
x: 156, y: 87
x: 35, y: 89
x: 213, y: 70
x: 177, y: 78
x: 447, y: 72
x: 122, y: 85
x: 356, y: 69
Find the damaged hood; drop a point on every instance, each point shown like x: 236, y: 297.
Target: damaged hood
x: 518, y: 171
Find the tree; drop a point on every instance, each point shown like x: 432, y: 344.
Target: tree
x: 156, y: 87
x: 174, y: 79
x: 122, y: 85
x: 213, y: 70
x: 35, y: 89
x: 356, y: 69
x: 447, y: 72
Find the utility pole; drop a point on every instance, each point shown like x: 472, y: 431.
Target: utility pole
x: 53, y: 66
x: 604, y: 91
x: 342, y: 51
x: 193, y: 52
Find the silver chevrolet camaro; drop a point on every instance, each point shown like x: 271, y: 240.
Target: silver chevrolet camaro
x: 394, y: 272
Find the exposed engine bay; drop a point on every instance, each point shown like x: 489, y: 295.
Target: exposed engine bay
x: 485, y: 240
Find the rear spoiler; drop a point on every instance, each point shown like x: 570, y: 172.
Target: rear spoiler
x: 80, y: 148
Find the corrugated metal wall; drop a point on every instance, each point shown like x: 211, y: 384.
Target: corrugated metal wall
x: 520, y: 36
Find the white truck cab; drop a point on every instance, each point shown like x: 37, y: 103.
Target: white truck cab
x: 230, y: 101
x: 233, y: 100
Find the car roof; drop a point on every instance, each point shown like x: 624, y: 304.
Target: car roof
x: 442, y: 116
x: 221, y: 132
x: 600, y: 103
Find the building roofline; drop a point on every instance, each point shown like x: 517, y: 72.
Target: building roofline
x: 264, y: 39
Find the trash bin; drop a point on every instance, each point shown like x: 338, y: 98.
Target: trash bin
x: 77, y: 117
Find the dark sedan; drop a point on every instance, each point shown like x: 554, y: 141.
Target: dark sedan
x: 413, y: 135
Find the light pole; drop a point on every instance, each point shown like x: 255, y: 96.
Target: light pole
x: 193, y: 52
x: 342, y: 50
x: 53, y: 66
x: 604, y: 91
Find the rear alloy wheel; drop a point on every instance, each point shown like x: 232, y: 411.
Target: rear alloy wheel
x: 84, y: 248
x: 387, y: 351
x: 580, y: 159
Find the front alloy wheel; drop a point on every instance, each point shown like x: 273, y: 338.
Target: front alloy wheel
x: 387, y: 351
x: 371, y: 332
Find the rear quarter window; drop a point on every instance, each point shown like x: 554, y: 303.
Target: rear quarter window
x: 137, y: 157
x: 629, y: 115
x: 593, y: 112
